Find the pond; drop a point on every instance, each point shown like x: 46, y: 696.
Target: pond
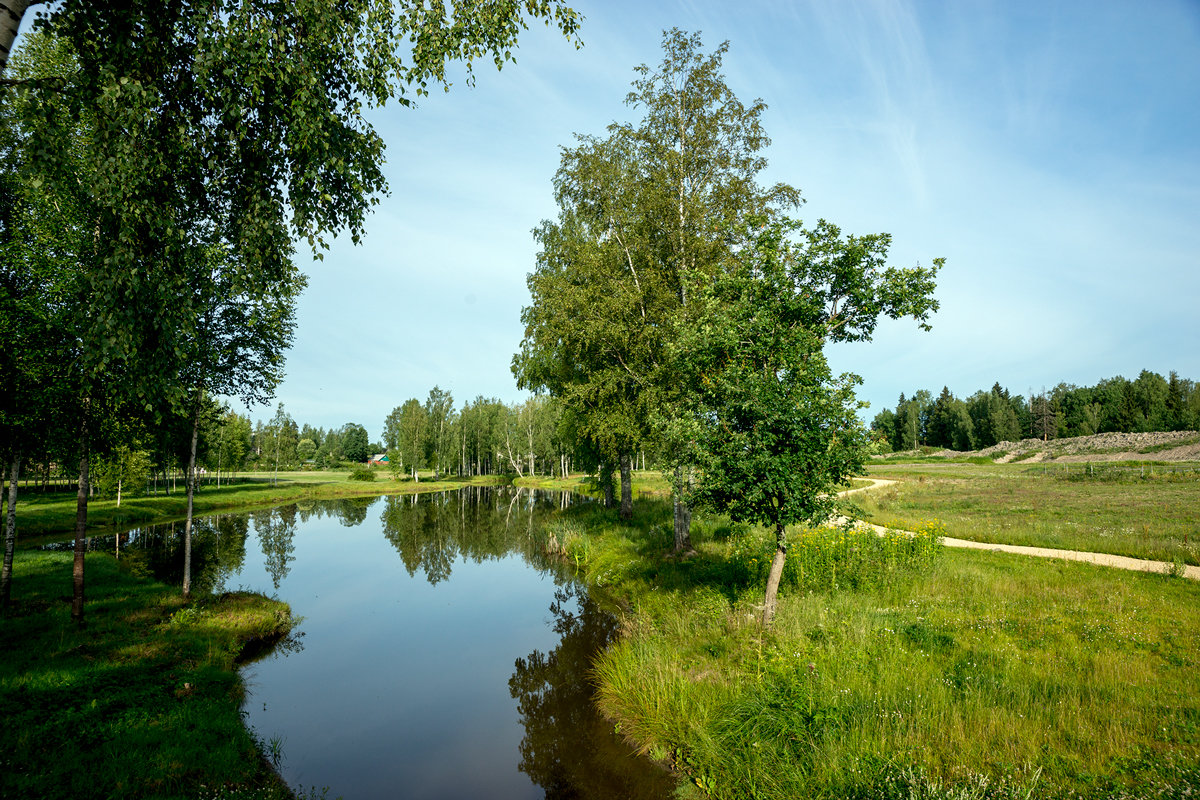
x: 440, y: 655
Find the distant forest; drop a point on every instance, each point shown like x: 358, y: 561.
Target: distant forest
x: 1149, y: 403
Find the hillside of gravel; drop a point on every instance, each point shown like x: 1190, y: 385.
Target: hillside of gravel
x: 1162, y: 446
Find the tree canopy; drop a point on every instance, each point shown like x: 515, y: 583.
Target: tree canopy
x: 673, y: 287
x: 190, y: 143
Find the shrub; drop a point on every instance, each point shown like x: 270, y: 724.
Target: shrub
x: 361, y: 473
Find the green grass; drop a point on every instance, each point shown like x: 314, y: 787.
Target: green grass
x: 645, y: 482
x: 1109, y: 511
x: 142, y: 702
x: 41, y: 515
x: 976, y: 675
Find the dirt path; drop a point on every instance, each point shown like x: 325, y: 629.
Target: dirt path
x: 1103, y: 559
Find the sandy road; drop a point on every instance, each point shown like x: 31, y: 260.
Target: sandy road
x: 1103, y: 559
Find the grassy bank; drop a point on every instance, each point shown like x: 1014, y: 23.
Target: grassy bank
x: 43, y: 515
x: 1156, y: 515
x: 644, y: 482
x: 142, y: 702
x: 957, y: 676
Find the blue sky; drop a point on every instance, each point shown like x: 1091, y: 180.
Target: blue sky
x: 1049, y: 151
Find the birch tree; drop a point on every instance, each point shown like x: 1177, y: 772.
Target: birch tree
x: 220, y: 121
x: 641, y: 212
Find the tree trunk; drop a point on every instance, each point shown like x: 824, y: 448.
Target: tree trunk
x: 769, y: 602
x: 626, y: 488
x: 11, y: 12
x: 191, y: 494
x: 10, y: 532
x: 81, y: 505
x: 683, y: 516
x: 606, y: 483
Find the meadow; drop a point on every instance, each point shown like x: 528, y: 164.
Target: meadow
x: 1119, y: 509
x: 892, y: 670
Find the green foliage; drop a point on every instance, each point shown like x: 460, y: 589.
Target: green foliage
x: 776, y: 430
x: 361, y: 473
x: 439, y: 441
x: 124, y: 470
x: 356, y: 444
x: 640, y: 210
x: 1149, y: 403
x: 305, y: 450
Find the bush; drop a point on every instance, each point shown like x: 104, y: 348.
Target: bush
x: 361, y: 473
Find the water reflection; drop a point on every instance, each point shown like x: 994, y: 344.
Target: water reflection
x: 405, y: 679
x: 218, y: 550
x: 276, y: 530
x: 569, y: 749
x: 478, y: 523
x: 353, y: 510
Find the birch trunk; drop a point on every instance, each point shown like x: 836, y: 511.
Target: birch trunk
x: 10, y: 532
x: 606, y: 483
x: 81, y: 505
x: 626, y: 488
x: 683, y: 516
x: 11, y: 12
x: 191, y: 494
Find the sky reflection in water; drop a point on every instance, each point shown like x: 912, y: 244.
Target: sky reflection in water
x: 441, y: 656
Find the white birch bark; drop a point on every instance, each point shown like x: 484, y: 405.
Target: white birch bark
x: 11, y: 12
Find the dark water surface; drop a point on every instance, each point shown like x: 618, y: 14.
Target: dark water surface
x: 440, y: 655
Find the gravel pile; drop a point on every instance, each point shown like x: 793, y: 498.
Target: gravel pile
x: 1163, y: 446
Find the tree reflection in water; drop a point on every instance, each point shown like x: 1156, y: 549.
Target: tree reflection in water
x: 218, y: 550
x: 569, y: 749
x: 475, y: 523
x: 352, y: 511
x: 276, y: 529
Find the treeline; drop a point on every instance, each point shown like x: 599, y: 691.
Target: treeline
x: 484, y: 436
x: 1149, y: 403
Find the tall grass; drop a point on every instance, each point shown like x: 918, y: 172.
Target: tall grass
x: 922, y: 674
x: 834, y: 558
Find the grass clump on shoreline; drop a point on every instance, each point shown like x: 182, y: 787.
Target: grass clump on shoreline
x: 142, y: 702
x: 965, y: 675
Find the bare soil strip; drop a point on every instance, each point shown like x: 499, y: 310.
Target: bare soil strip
x: 1103, y: 559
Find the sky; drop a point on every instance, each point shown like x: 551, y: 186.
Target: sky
x: 1049, y: 151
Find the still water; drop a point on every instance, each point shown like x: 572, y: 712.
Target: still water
x: 440, y: 655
